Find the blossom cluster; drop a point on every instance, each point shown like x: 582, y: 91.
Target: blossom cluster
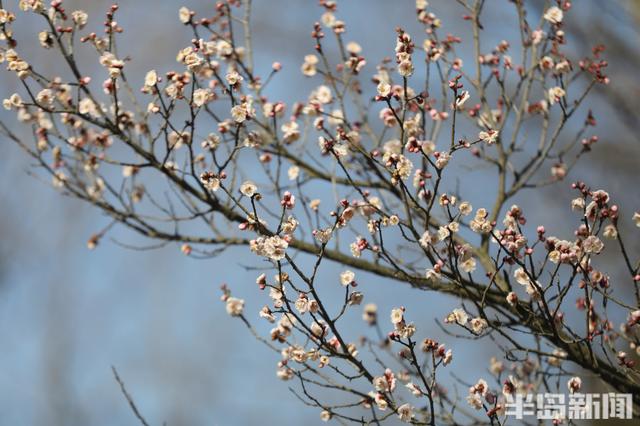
x: 363, y: 173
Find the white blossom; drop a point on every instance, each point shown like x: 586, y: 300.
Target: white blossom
x: 555, y: 94
x: 184, y: 15
x: 384, y: 89
x: 554, y: 15
x: 235, y: 306
x: 405, y: 412
x: 458, y: 316
x: 248, y: 188
x: 347, y: 277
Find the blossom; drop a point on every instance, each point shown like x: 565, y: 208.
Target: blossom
x: 210, y: 181
x: 151, y: 78
x: 190, y: 58
x: 459, y: 316
x: 475, y: 401
x: 480, y: 224
x: 574, y: 384
x: 285, y: 373
x: 14, y: 101
x: 399, y: 165
x: 386, y: 382
x: 610, y: 232
x: 86, y: 106
x: 405, y: 412
x: 276, y: 296
x: 355, y: 298
x: 211, y: 143
x: 443, y: 233
x: 489, y: 136
x: 384, y: 89
x: 405, y: 68
x: 223, y: 49
x: 96, y: 189
x: 353, y: 47
x: 128, y: 171
x: 289, y: 226
x: 346, y: 216
x: 309, y: 66
x: 331, y: 146
x: 253, y: 139
x: 290, y: 132
x: 555, y: 94
x: 380, y: 401
x: 325, y: 415
x: 113, y: 64
x: 328, y: 19
x: 577, y: 204
x: 17, y: 64
x: 405, y: 330
x: 235, y: 306
x: 476, y: 392
x: 347, y: 277
x: 233, y: 78
x: 480, y: 388
x: 426, y: 239
x: 442, y: 160
x: 592, y: 244
x: 461, y: 99
x: 184, y: 15
x: 537, y: 36
x: 266, y: 313
x: 323, y: 94
x: 432, y: 275
x: 448, y: 357
x: 248, y: 188
x: 35, y: 5
x: 397, y: 316
x: 288, y: 200
x: 465, y: 208
x: 271, y: 247
x: 201, y: 97
x: 323, y: 235
x: 496, y: 366
x: 478, y: 325
x: 176, y: 140
x: 293, y: 172
x: 6, y: 16
x: 468, y: 265
x: 239, y: 113
x: 59, y: 179
x: 79, y: 18
x: 358, y: 246
x: 392, y: 147
x: 324, y: 361
x: 521, y: 276
x: 46, y: 39
x: 370, y: 313
x: 45, y: 97
x: 600, y: 197
x: 558, y: 356
x: 319, y: 329
x: 553, y: 14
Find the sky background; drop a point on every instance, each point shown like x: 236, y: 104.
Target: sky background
x: 67, y: 314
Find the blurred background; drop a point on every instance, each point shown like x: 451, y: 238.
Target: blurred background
x: 67, y: 314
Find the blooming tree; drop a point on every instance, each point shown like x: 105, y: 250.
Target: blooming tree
x: 357, y: 173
